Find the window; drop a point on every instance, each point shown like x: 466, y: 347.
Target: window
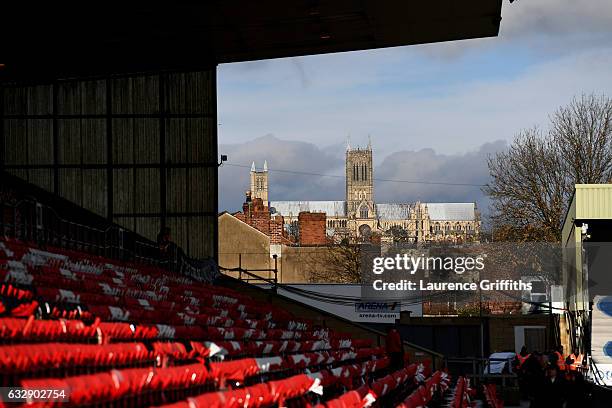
x: 363, y: 212
x: 365, y: 171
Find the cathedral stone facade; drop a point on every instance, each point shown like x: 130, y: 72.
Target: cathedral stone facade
x: 359, y: 217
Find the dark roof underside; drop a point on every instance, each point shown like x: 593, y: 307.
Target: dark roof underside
x: 59, y: 39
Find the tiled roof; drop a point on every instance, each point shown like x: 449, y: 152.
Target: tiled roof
x: 451, y: 211
x: 393, y: 211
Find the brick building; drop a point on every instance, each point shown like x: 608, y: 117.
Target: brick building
x: 256, y: 213
x: 312, y: 228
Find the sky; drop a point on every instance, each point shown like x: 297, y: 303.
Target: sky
x: 434, y: 112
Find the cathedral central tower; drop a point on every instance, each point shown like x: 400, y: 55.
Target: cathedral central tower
x: 360, y: 183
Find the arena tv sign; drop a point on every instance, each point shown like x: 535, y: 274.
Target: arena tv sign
x: 377, y: 312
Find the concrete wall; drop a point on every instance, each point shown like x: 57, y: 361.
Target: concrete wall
x: 242, y: 245
x: 140, y: 149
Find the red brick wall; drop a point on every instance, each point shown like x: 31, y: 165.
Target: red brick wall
x: 312, y: 228
x: 257, y: 215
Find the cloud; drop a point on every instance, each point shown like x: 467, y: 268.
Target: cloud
x: 287, y: 158
x: 556, y: 17
x: 545, y: 27
x: 426, y: 165
x: 404, y: 106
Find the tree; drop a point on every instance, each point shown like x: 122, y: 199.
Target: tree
x: 398, y: 234
x: 335, y: 263
x: 533, y: 181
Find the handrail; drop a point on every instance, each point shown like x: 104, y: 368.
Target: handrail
x: 241, y: 271
x: 34, y: 221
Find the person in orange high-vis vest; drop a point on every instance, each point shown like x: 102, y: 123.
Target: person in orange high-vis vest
x: 521, y: 358
x: 574, y: 360
x: 560, y: 360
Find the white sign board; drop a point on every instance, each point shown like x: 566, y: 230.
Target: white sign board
x: 377, y: 312
x: 601, y: 340
x: 355, y: 311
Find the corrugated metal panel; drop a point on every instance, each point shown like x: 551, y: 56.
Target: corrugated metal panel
x: 71, y: 185
x: 42, y: 178
x: 176, y: 194
x: 148, y: 227
x: 201, y: 182
x: 94, y: 191
x: 40, y: 100
x: 451, y: 211
x: 15, y: 146
x: 15, y: 100
x: 69, y: 141
x: 135, y: 94
x: 146, y: 141
x: 189, y: 141
x: 176, y: 141
x: 93, y: 141
x: 40, y: 141
x: 593, y: 201
x: 293, y: 208
x: 123, y: 191
x: 146, y: 191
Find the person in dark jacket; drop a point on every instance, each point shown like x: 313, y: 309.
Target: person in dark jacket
x: 552, y: 393
x: 395, y: 348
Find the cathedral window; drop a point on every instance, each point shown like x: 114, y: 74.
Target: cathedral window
x: 363, y: 212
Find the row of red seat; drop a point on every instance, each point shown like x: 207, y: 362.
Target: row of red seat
x: 117, y: 384
x: 112, y: 304
x: 267, y: 347
x: 61, y: 273
x: 26, y: 358
x: 10, y: 291
x: 247, y: 367
x: 15, y: 329
x: 367, y: 394
x: 490, y: 394
x: 438, y: 382
x: 462, y: 397
x: 275, y: 393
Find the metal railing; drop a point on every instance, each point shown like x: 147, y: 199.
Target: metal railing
x: 478, y: 369
x: 31, y: 221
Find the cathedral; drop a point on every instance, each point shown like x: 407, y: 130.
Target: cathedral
x: 360, y: 217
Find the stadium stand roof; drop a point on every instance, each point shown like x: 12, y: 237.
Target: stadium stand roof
x: 100, y: 38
